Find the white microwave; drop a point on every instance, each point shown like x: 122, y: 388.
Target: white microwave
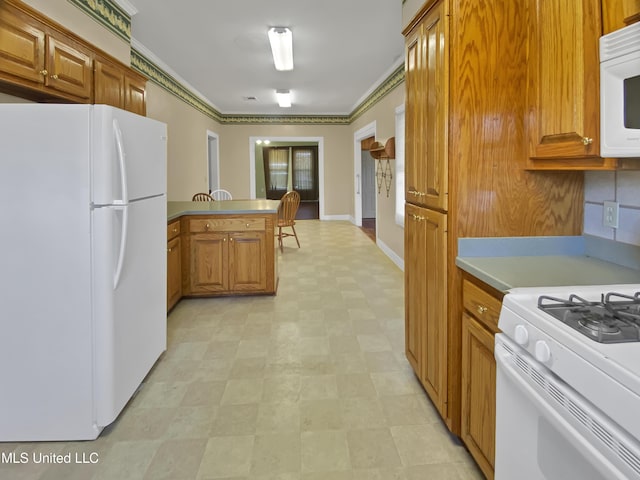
x: 620, y: 93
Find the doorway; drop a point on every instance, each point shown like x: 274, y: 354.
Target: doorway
x: 312, y: 204
x: 213, y: 160
x: 365, y: 199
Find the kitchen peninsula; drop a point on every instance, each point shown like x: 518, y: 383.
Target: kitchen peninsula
x: 221, y: 248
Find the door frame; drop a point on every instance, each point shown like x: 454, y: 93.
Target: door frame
x: 365, y: 132
x: 213, y: 161
x: 252, y: 164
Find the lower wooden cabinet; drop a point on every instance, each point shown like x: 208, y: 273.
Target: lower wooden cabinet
x: 230, y: 255
x: 425, y: 300
x: 479, y: 325
x: 174, y: 264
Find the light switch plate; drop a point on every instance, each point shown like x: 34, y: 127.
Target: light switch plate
x: 610, y: 214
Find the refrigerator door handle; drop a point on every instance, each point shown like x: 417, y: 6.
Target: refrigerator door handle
x: 123, y: 172
x: 123, y: 244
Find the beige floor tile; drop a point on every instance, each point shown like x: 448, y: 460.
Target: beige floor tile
x: 394, y: 383
x: 127, y: 460
x: 348, y: 363
x: 383, y: 474
x: 253, y: 347
x: 203, y: 393
x: 362, y: 413
x: 325, y: 451
x: 176, y: 459
x: 355, y: 385
x: 276, y: 453
x: 226, y: 457
x: 339, y: 344
x: 320, y: 415
x: 242, y: 391
x: 408, y: 409
x: 142, y: 424
x: 382, y: 361
x: 281, y: 388
x: 373, y: 342
x: 278, y: 417
x: 235, y: 420
x: 160, y: 394
x: 314, y: 387
x: 423, y: 444
x: 248, y: 368
x: 372, y: 448
x: 191, y: 423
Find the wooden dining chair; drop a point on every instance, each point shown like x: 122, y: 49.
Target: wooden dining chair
x: 287, y: 216
x: 202, y: 197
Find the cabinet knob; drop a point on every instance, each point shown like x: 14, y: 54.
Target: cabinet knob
x: 207, y: 226
x: 54, y: 76
x: 224, y: 239
x: 169, y: 250
x: 43, y: 73
x: 587, y: 141
x: 175, y: 230
x: 481, y: 309
x: 247, y: 225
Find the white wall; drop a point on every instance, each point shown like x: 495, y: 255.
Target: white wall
x: 622, y: 187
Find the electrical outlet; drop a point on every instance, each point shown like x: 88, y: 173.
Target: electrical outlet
x: 610, y: 215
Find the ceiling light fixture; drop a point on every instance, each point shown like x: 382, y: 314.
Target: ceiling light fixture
x: 281, y: 40
x: 284, y: 98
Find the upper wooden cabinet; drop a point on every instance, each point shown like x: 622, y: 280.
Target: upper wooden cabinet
x: 33, y: 56
x: 426, y: 74
x: 617, y: 14
x: 563, y: 84
x: 119, y: 86
x: 42, y: 61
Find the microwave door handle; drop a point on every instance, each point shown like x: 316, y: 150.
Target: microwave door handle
x: 121, y: 161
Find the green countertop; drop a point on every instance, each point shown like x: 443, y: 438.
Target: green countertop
x: 547, y: 261
x: 220, y: 207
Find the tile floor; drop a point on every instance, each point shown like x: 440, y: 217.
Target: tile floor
x: 311, y: 384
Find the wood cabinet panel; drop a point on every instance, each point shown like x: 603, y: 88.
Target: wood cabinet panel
x: 135, y: 97
x: 479, y: 393
x: 563, y: 81
x: 245, y: 273
x: 174, y: 272
x: 426, y: 312
x: 69, y: 68
x: 22, y: 48
x: 618, y: 14
x: 209, y: 263
x: 484, y: 306
x: 427, y: 109
x: 109, y: 84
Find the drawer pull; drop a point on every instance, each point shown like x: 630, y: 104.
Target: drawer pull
x: 481, y: 309
x: 169, y: 250
x: 207, y: 226
x: 54, y: 76
x: 586, y: 141
x: 175, y: 229
x: 44, y: 73
x: 247, y: 225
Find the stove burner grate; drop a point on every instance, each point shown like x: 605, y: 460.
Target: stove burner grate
x: 613, y: 319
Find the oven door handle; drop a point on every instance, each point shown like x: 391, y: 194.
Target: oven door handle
x: 502, y: 355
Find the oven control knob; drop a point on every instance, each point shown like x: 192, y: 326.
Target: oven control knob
x: 542, y: 352
x: 521, y: 335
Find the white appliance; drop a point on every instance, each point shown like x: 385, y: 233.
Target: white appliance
x: 620, y: 93
x: 83, y: 276
x: 568, y: 384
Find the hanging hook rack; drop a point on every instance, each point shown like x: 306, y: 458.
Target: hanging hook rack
x: 382, y: 152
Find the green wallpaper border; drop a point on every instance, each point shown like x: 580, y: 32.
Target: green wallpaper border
x: 109, y: 14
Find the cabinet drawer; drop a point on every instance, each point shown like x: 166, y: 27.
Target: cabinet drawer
x: 226, y: 225
x: 482, y: 305
x: 173, y: 229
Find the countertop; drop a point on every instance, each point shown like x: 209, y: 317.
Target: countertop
x: 220, y: 207
x: 507, y: 263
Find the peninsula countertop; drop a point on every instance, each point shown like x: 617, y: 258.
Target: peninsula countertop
x: 221, y: 207
x: 506, y: 263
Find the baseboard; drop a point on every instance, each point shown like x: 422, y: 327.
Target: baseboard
x: 395, y: 258
x: 335, y: 217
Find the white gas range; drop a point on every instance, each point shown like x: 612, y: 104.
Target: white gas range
x: 568, y: 383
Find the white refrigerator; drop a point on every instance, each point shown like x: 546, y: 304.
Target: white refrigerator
x: 82, y: 265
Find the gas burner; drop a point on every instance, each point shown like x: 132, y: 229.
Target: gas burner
x: 613, y: 319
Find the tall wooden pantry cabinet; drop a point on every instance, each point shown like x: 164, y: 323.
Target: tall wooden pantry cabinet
x: 466, y: 152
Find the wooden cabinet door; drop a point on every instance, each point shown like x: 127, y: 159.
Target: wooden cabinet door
x: 209, y: 263
x: 134, y: 95
x: 415, y: 273
x: 69, y: 68
x: 22, y: 48
x: 563, y: 79
x: 426, y: 300
x: 247, y: 262
x: 109, y: 84
x: 434, y: 336
x: 427, y: 110
x: 618, y: 14
x: 478, y: 393
x: 174, y: 272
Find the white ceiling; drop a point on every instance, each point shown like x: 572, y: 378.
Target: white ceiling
x: 342, y: 50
